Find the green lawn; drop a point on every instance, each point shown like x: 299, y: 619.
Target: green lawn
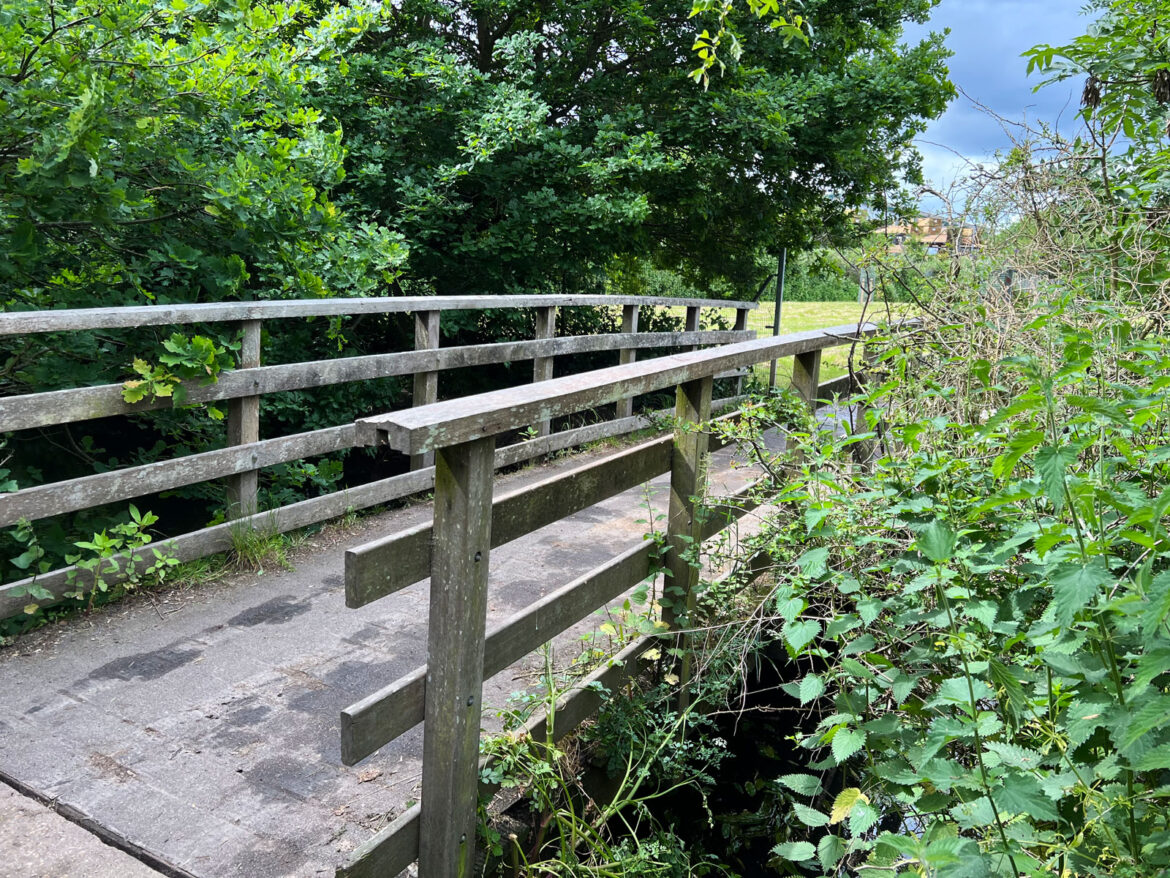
x: 802, y: 316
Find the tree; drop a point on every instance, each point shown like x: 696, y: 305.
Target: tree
x: 521, y: 146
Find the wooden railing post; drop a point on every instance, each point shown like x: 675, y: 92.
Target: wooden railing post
x: 426, y: 384
x: 692, y: 325
x: 542, y: 367
x: 243, y: 427
x: 741, y: 317
x: 688, y: 479
x: 625, y: 407
x: 455, y: 642
x: 684, y: 527
x: 864, y: 451
x: 806, y: 376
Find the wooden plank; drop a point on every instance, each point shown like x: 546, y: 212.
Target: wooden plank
x: 455, y: 639
x: 85, y: 403
x: 692, y: 323
x: 625, y: 407
x: 387, y: 853
x: 243, y: 428
x: 384, y: 566
x: 426, y: 384
x: 542, y: 367
x: 489, y: 414
x: 67, y: 319
x: 56, y: 498
x: 380, y: 718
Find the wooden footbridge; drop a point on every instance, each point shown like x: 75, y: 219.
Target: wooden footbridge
x: 454, y: 550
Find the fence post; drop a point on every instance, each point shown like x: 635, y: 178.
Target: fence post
x: 542, y: 367
x: 741, y: 318
x: 455, y: 638
x: 243, y: 426
x: 625, y: 407
x: 865, y: 451
x: 688, y: 483
x: 426, y: 384
x: 806, y: 376
x: 692, y: 325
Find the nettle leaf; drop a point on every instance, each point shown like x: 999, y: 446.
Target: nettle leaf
x: 830, y: 850
x: 802, y: 784
x: 1051, y: 464
x: 1074, y: 586
x: 801, y: 633
x: 1158, y: 604
x: 1152, y: 712
x: 810, y: 816
x: 795, y: 851
x: 845, y: 802
x: 1013, y: 755
x: 862, y: 818
x: 814, y: 563
x: 846, y: 742
x: 1084, y: 717
x: 1020, y: 445
x: 937, y: 541
x: 1021, y: 794
x: 812, y: 687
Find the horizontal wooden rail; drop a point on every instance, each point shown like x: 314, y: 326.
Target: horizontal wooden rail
x: 86, y: 492
x: 209, y: 541
x: 68, y: 320
x: 86, y: 403
x: 387, y: 565
x: 380, y: 718
x: 489, y: 414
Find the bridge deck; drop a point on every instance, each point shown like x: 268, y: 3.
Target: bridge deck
x: 201, y: 726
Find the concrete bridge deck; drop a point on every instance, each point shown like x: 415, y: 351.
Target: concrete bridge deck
x: 199, y: 727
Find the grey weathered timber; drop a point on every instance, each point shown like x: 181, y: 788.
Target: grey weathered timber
x: 740, y: 326
x: 489, y: 414
x: 837, y: 387
x: 426, y: 384
x: 625, y: 407
x: 806, y: 376
x: 692, y: 324
x: 243, y: 428
x: 388, y: 852
x: 385, y: 566
x: 380, y: 718
x: 395, y: 847
x: 24, y: 322
x: 542, y: 367
x: 56, y: 498
x: 688, y: 484
x: 455, y: 638
x: 85, y: 403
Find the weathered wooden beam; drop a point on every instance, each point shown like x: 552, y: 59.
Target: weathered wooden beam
x: 489, y: 414
x: 455, y: 639
x: 625, y: 407
x: 243, y: 428
x: 56, y: 498
x: 426, y: 383
x: 384, y: 566
x: 63, y: 320
x: 806, y: 376
x: 85, y: 403
x: 692, y: 323
x: 380, y: 718
x: 542, y: 367
x: 396, y: 846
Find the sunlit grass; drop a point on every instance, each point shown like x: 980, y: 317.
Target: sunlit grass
x: 803, y: 316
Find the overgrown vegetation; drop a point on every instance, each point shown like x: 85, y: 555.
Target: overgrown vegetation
x: 970, y: 590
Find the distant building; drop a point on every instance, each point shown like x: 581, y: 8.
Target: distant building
x: 933, y: 233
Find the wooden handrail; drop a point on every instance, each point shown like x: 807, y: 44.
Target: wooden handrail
x: 72, y: 319
x: 461, y: 420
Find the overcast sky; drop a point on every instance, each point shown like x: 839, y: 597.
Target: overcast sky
x: 987, y: 37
